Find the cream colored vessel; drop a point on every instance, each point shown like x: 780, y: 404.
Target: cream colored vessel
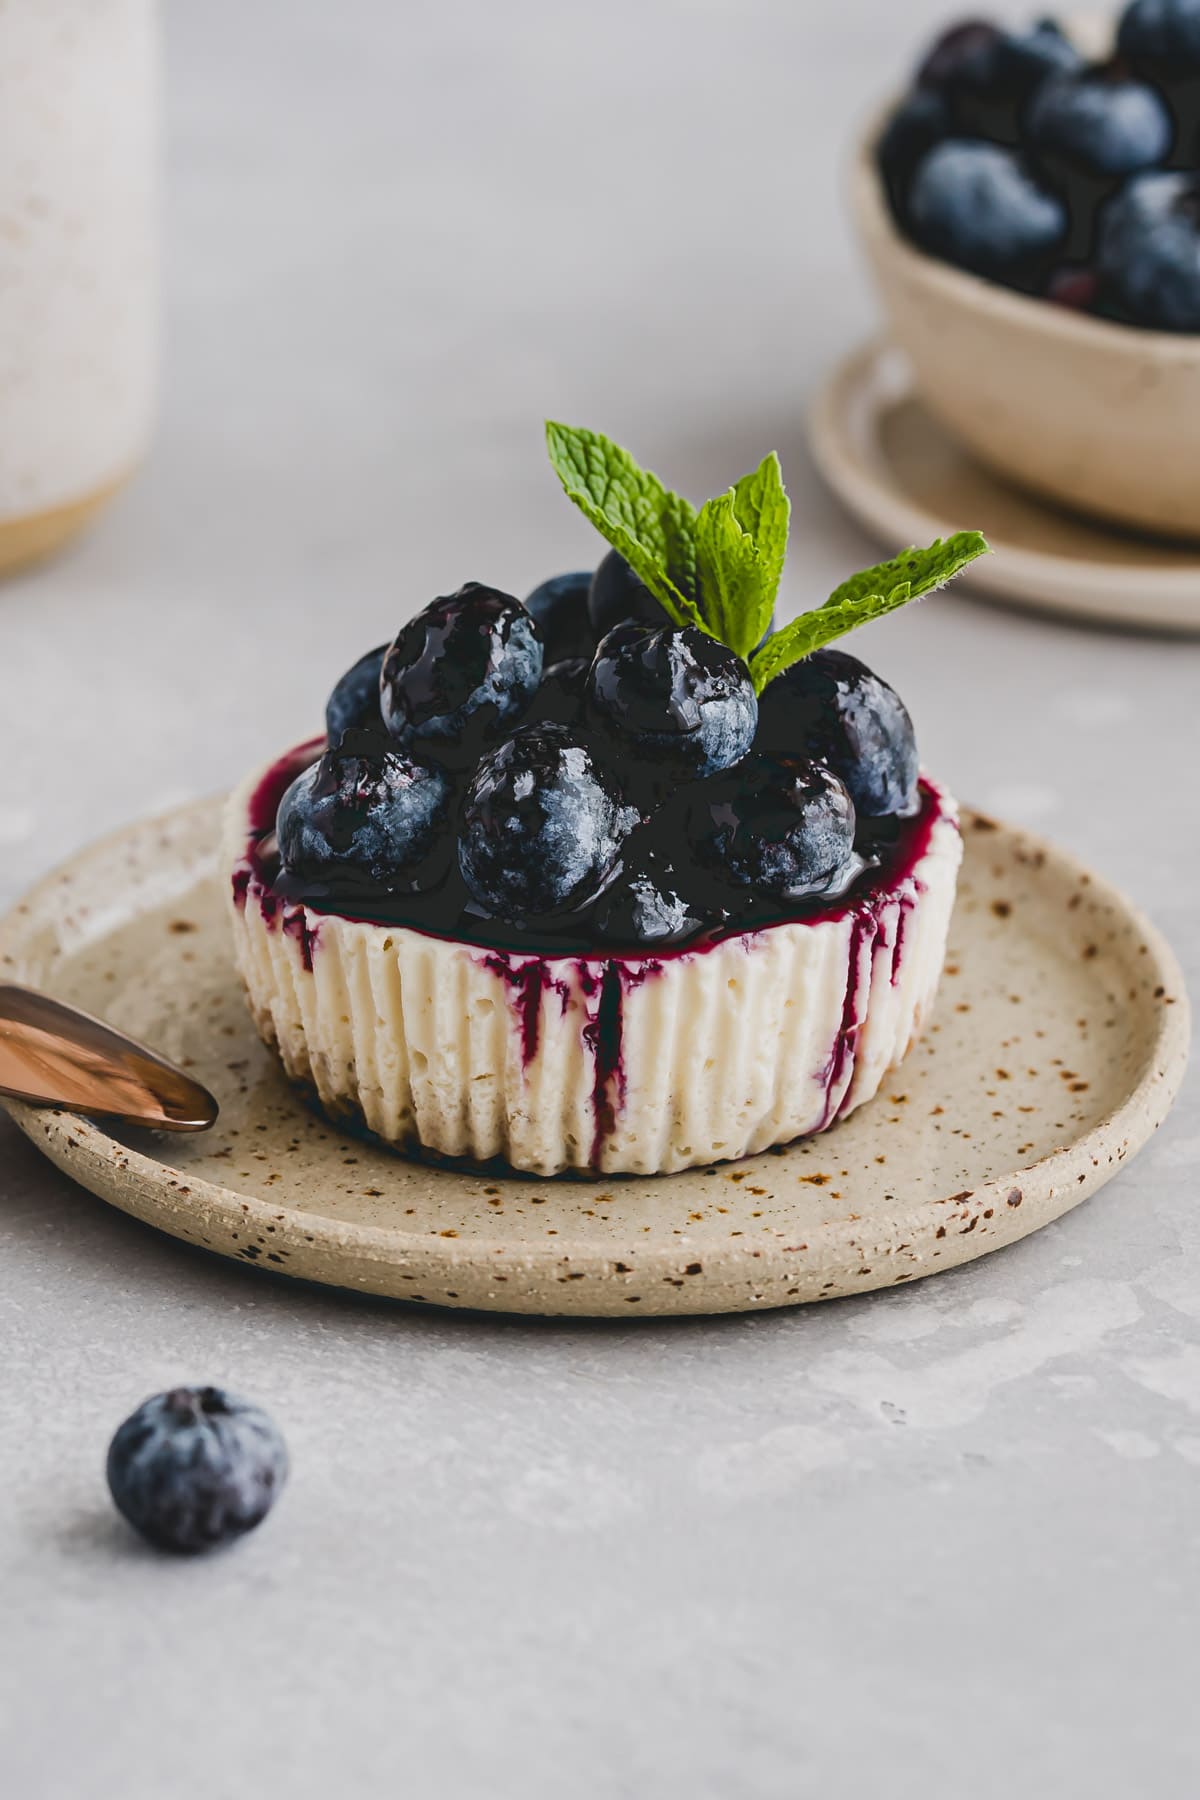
x: 78, y: 261
x: 620, y: 1064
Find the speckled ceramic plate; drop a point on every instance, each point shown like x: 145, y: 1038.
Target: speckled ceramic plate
x: 907, y: 481
x: 1057, y: 1048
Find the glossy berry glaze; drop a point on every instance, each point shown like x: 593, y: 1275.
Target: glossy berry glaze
x: 572, y: 967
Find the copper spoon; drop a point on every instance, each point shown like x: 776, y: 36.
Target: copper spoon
x: 54, y: 1055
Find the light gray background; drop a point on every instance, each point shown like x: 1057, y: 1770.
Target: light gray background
x: 936, y: 1543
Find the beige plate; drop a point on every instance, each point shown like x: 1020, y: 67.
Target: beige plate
x: 1057, y: 1049
x: 907, y: 481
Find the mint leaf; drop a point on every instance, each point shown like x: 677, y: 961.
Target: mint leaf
x: 868, y: 595
x: 652, y: 528
x: 730, y: 578
x: 741, y: 541
x: 762, y: 508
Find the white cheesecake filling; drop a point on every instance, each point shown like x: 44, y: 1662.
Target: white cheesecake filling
x: 638, y: 1064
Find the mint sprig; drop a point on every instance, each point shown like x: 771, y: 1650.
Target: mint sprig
x: 720, y: 568
x: 868, y: 595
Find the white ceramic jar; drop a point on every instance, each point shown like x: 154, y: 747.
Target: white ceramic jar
x: 79, y: 154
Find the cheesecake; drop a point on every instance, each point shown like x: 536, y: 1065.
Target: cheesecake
x: 617, y: 880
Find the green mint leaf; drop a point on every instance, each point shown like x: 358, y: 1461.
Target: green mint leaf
x: 741, y: 542
x: 729, y: 576
x: 652, y: 528
x: 866, y: 596
x: 762, y: 508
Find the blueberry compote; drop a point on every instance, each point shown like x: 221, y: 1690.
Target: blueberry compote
x: 639, y: 800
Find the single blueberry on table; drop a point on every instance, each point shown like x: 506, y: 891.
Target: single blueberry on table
x: 196, y: 1467
x: 541, y: 827
x: 354, y: 702
x: 617, y: 594
x: 461, y: 674
x: 561, y: 697
x: 781, y: 826
x: 1099, y: 123
x: 833, y: 707
x: 672, y: 705
x: 367, y: 816
x: 1148, y: 251
x: 978, y: 206
x: 559, y: 609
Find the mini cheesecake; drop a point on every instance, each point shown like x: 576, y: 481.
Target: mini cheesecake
x: 619, y: 879
x: 584, y: 1059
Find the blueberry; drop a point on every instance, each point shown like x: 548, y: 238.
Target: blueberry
x: 920, y: 121
x: 1163, y: 32
x: 541, y: 827
x: 354, y: 702
x: 461, y: 674
x: 673, y: 705
x: 963, y: 56
x: 196, y: 1467
x: 559, y: 609
x: 367, y: 815
x: 560, y: 698
x: 985, y: 76
x: 617, y: 594
x: 1149, y: 251
x: 977, y: 205
x: 831, y: 706
x: 1099, y: 123
x: 782, y: 826
x: 1024, y: 59
x: 652, y: 901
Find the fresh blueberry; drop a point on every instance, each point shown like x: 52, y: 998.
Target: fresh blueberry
x: 673, y: 705
x: 461, y: 674
x: 831, y: 706
x: 1149, y: 251
x: 1024, y: 59
x: 1162, y: 32
x: 367, y: 815
x: 559, y: 609
x: 651, y: 902
x: 1099, y: 122
x: 1160, y: 41
x: 354, y: 702
x: 963, y: 56
x: 920, y: 121
x: 541, y: 827
x: 782, y: 826
x: 985, y: 76
x: 617, y: 594
x: 977, y: 205
x: 196, y: 1467
x: 561, y: 696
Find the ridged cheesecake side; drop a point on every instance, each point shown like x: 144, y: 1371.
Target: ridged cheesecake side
x: 619, y: 1064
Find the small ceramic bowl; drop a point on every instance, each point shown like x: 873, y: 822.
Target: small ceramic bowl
x: 1100, y: 416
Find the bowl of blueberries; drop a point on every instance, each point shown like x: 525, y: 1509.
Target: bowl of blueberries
x: 1031, y: 211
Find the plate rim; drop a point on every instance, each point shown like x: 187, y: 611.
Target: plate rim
x: 885, y: 512
x: 80, y: 1146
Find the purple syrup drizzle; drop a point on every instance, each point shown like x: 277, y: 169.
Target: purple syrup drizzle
x: 603, y: 982
x: 529, y: 979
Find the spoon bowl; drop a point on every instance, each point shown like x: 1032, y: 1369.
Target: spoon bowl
x: 52, y: 1054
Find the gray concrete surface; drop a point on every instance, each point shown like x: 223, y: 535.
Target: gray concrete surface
x: 938, y: 1543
